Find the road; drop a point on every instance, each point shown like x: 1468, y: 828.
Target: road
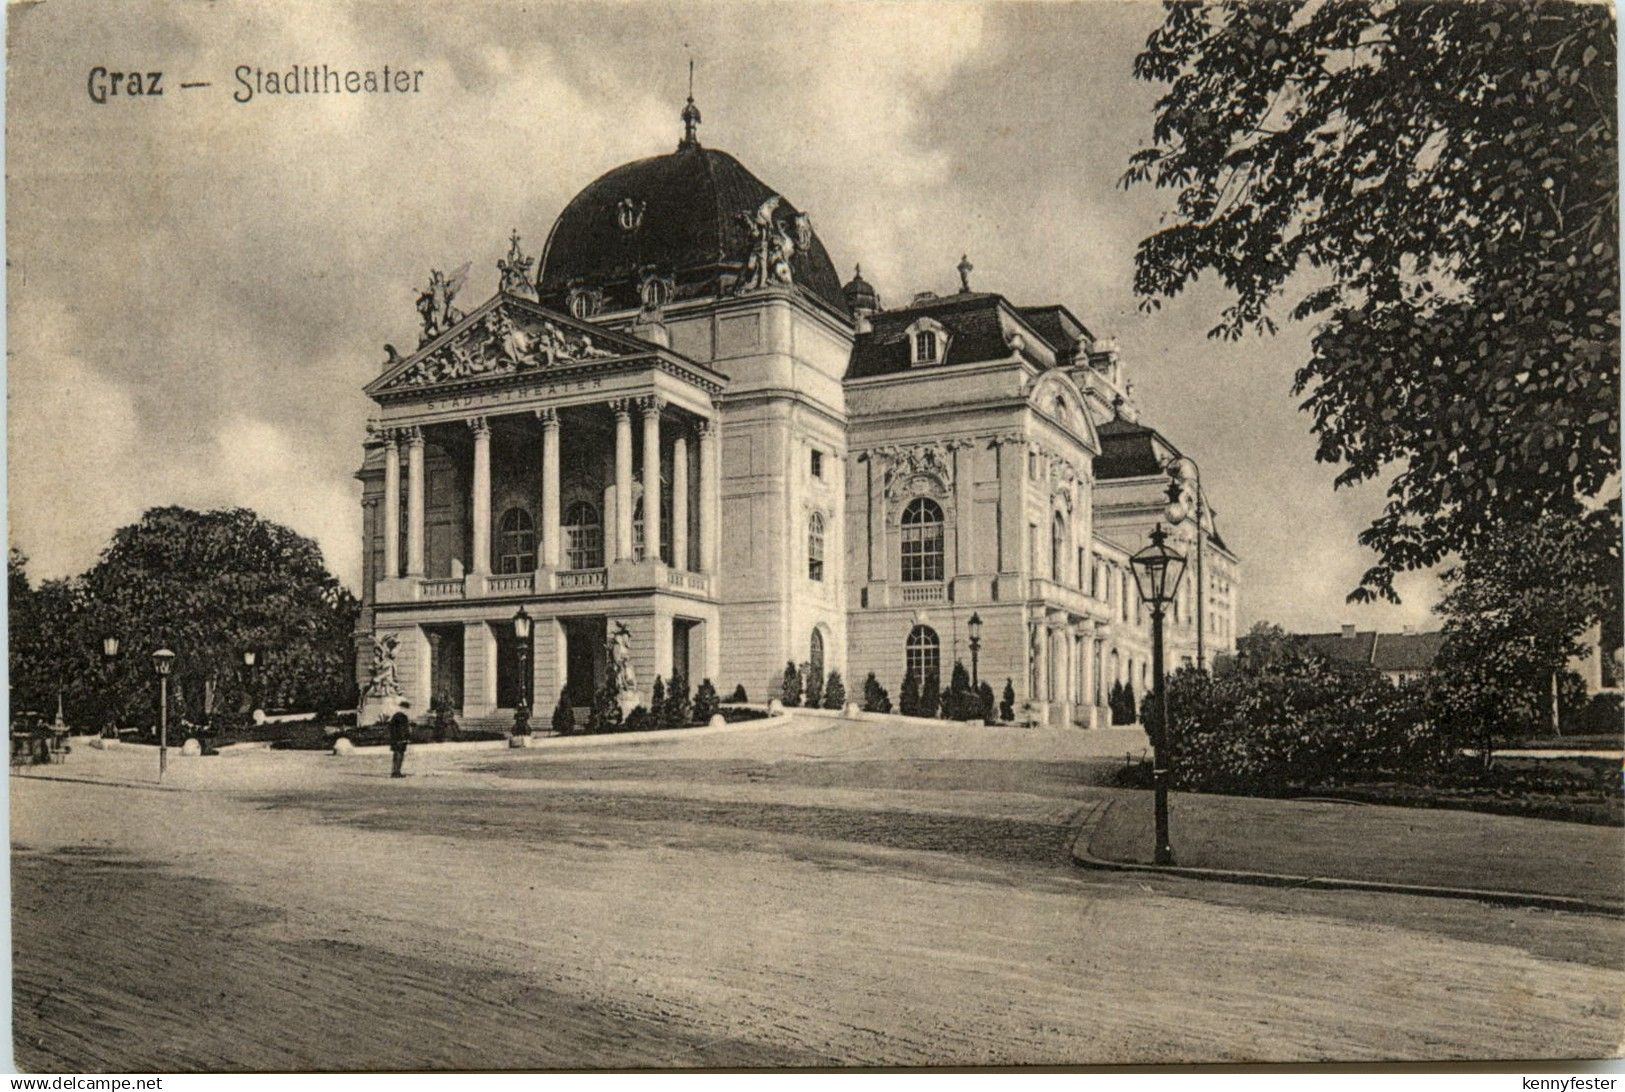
x: 815, y: 894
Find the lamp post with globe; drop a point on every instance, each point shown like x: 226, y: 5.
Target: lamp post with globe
x: 163, y: 661
x: 1157, y: 570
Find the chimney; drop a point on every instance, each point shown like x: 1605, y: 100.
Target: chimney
x: 1348, y: 631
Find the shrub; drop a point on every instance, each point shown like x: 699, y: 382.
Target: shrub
x: 606, y: 710
x: 875, y: 698
x: 738, y: 695
x: 990, y: 707
x: 564, y: 718
x: 790, y: 688
x: 812, y: 678
x: 677, y: 710
x: 834, y: 691
x: 1007, y: 707
x: 930, y: 695
x: 706, y: 704
x: 1602, y: 713
x: 1130, y: 715
x: 443, y: 720
x: 959, y: 701
x: 657, y: 696
x: 639, y: 720
x: 908, y: 702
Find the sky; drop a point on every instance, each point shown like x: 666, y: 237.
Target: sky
x: 199, y: 288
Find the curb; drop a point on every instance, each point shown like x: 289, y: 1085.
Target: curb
x: 1083, y: 858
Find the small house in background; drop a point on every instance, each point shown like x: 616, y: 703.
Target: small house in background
x: 1400, y: 657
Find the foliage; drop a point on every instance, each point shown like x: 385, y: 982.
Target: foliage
x: 1305, y: 720
x: 812, y: 695
x: 1601, y: 713
x: 989, y: 704
x: 640, y: 720
x: 678, y: 709
x: 657, y: 696
x: 1437, y: 184
x: 790, y: 688
x: 738, y: 697
x: 443, y: 718
x: 875, y: 698
x: 204, y: 584
x: 834, y: 691
x: 959, y: 700
x: 908, y: 702
x: 564, y: 717
x: 1514, y: 611
x: 930, y: 695
x: 606, y: 713
x: 706, y: 704
x: 1007, y: 707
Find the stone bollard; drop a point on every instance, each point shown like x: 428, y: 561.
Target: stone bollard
x: 775, y: 707
x: 851, y: 710
x: 343, y: 746
x: 191, y: 748
x: 717, y: 721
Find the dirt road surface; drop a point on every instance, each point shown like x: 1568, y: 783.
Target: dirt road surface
x: 818, y: 893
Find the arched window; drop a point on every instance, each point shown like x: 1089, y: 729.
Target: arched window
x: 518, y: 542
x: 922, y: 541
x: 815, y: 547
x: 815, y: 653
x: 583, y: 537
x: 1057, y: 547
x: 923, y: 654
x: 925, y: 346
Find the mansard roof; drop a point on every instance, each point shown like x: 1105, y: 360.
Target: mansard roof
x: 976, y: 322
x: 509, y: 337
x: 1060, y: 328
x: 1131, y: 450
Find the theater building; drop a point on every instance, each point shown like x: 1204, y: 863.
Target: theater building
x: 684, y: 423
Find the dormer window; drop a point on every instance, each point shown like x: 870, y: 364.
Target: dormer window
x: 928, y: 343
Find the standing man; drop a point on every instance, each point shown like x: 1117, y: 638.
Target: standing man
x: 400, y: 736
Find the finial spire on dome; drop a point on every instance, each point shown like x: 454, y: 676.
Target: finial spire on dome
x: 691, y: 115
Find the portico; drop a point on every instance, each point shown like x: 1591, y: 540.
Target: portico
x: 578, y: 478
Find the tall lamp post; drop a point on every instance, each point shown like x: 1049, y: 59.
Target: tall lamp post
x: 521, y: 631
x: 162, y: 661
x: 251, y: 660
x: 975, y: 627
x: 1157, y: 570
x: 110, y: 653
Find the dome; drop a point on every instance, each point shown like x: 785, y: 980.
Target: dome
x: 860, y: 294
x: 685, y: 222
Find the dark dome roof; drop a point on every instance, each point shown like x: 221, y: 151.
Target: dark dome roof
x: 691, y: 213
x: 860, y: 294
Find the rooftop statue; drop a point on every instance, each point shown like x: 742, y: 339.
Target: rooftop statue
x: 434, y: 303
x: 774, y: 241
x: 515, y: 270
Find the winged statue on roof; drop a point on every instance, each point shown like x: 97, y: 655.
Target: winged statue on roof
x: 435, y: 302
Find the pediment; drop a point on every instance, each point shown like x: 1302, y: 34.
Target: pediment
x: 505, y: 336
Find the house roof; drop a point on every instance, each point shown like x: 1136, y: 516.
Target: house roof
x: 1354, y: 648
x: 975, y: 332
x: 1383, y: 651
x: 1129, y: 450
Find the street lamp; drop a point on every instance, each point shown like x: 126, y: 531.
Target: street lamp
x: 110, y: 645
x: 162, y: 661
x: 1157, y: 570
x: 975, y: 627
x: 521, y: 632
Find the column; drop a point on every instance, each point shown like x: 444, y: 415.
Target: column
x: 480, y: 504
x: 679, y: 500
x: 623, y: 480
x: 651, y: 407
x: 414, y: 502
x: 709, y: 502
x: 1086, y: 679
x: 392, y: 505
x: 877, y: 518
x: 1042, y: 653
x: 551, y: 551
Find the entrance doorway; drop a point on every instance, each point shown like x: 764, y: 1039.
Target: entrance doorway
x: 682, y: 662
x: 445, y: 668
x: 584, y: 657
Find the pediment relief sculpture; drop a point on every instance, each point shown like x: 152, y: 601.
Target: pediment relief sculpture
x: 911, y: 467
x: 498, y: 344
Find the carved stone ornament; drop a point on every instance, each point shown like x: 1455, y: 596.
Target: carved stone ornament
x: 774, y: 240
x: 619, y: 650
x: 497, y: 345
x: 585, y: 302
x: 919, y: 467
x: 515, y: 270
x: 434, y: 303
x: 383, y: 680
x: 629, y: 213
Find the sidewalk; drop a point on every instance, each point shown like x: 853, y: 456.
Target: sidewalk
x: 1439, y: 852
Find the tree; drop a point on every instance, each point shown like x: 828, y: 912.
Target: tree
x: 206, y: 585
x: 706, y: 703
x: 989, y: 704
x: 930, y: 694
x: 812, y: 678
x: 1436, y: 183
x: 875, y: 698
x: 657, y: 696
x: 1007, y: 706
x: 677, y: 709
x: 834, y: 691
x: 1129, y: 714
x: 790, y: 688
x: 739, y: 697
x: 1514, y: 611
x: 564, y: 717
x: 908, y: 701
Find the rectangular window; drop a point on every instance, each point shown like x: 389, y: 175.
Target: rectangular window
x: 925, y: 347
x: 817, y: 463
